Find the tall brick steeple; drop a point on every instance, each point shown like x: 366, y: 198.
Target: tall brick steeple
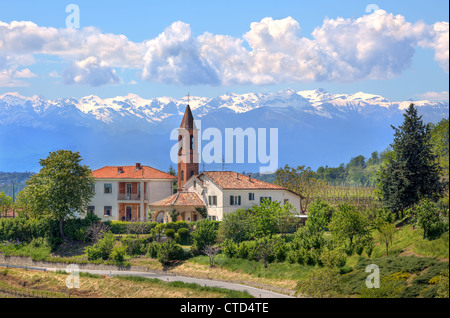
x: 188, y: 148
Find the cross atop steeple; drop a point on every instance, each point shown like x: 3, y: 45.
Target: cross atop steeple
x: 188, y: 96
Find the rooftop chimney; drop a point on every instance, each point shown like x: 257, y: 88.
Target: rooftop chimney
x: 249, y: 178
x: 119, y: 170
x: 138, y: 166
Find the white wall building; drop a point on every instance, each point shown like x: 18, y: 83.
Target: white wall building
x: 222, y: 192
x: 124, y: 192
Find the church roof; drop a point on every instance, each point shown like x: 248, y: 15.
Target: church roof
x: 232, y: 180
x: 130, y: 172
x: 180, y: 199
x: 188, y: 119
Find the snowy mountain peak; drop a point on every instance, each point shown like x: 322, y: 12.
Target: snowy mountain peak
x: 135, y: 109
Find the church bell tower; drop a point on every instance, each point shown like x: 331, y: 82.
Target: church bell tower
x: 187, y: 148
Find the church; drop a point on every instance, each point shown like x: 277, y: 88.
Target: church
x: 138, y: 193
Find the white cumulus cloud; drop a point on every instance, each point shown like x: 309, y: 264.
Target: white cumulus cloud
x: 379, y: 45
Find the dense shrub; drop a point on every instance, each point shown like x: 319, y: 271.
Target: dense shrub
x: 229, y: 248
x: 76, y: 229
x: 237, y: 226
x: 184, y: 237
x: 134, y: 246
x: 122, y: 227
x: 170, y: 233
x: 26, y: 229
x: 176, y: 226
x: 102, y: 249
x: 431, y: 219
x: 152, y: 249
x: 204, y: 234
x: 118, y: 253
x: 265, y: 249
x: 333, y: 259
x: 169, y: 252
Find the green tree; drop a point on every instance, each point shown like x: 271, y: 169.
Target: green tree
x: 387, y: 232
x: 205, y: 234
x: 349, y: 224
x: 265, y: 249
x: 440, y: 142
x: 237, y: 226
x: 270, y: 217
x: 319, y: 217
x: 62, y: 189
x: 301, y: 180
x: 6, y: 203
x: 428, y: 218
x: 411, y: 172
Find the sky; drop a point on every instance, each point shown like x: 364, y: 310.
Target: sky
x: 397, y: 49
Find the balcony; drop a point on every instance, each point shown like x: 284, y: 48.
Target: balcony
x: 129, y: 197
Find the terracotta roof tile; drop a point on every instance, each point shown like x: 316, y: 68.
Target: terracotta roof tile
x: 233, y: 180
x: 180, y: 199
x: 130, y: 172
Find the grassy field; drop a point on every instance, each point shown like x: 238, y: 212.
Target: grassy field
x: 279, y: 277
x: 30, y: 283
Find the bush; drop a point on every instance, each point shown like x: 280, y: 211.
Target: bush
x: 170, y: 233
x: 152, y: 249
x: 169, y: 252
x: 122, y: 227
x: 176, y: 226
x: 205, y: 234
x: 184, y: 236
x: 430, y: 220
x: 242, y: 250
x: 118, y: 254
x: 24, y: 230
x: 333, y: 259
x: 102, y: 249
x: 229, y: 248
x: 134, y: 246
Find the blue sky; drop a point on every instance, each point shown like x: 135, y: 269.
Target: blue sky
x: 161, y: 56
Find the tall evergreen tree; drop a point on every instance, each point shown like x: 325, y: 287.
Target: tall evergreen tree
x: 411, y: 172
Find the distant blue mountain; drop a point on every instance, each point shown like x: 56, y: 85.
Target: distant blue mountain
x: 314, y: 127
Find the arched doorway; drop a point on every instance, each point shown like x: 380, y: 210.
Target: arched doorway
x: 159, y: 217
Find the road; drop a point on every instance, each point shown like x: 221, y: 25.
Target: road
x: 255, y: 292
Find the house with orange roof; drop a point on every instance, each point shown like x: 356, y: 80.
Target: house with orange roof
x: 124, y: 192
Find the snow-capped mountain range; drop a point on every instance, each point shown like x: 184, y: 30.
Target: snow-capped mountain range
x: 321, y: 127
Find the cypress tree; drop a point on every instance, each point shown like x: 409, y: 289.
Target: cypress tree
x: 411, y: 172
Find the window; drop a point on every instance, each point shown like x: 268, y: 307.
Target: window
x: 107, y: 211
x: 108, y: 188
x: 251, y: 196
x: 93, y: 188
x: 91, y: 209
x: 182, y: 175
x: 195, y: 184
x: 212, y: 217
x: 235, y: 200
x: 212, y: 200
x: 192, y: 142
x: 265, y: 198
